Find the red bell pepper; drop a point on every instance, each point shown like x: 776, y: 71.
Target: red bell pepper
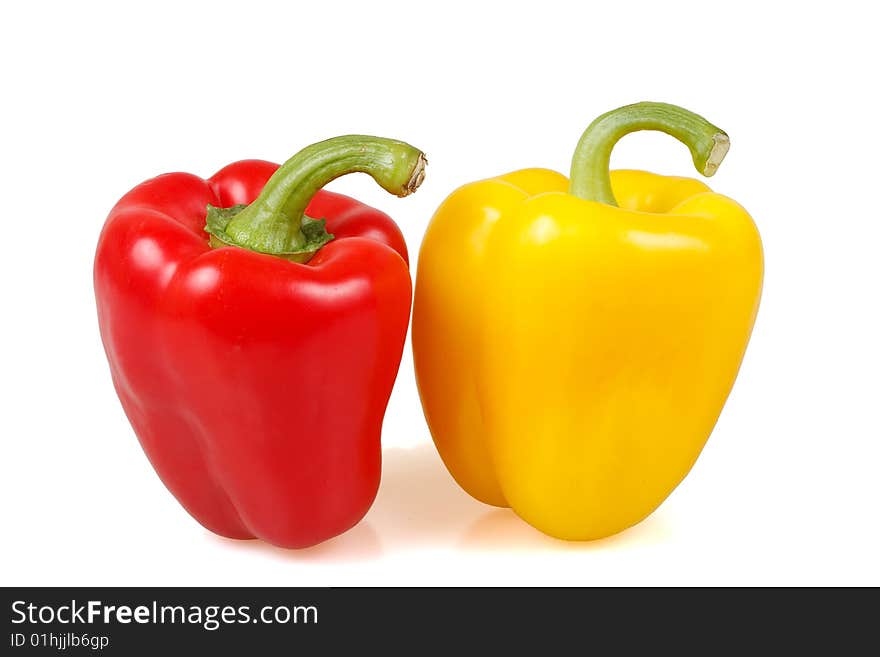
x: 255, y: 366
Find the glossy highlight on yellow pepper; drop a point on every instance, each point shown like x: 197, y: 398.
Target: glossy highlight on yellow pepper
x: 573, y: 355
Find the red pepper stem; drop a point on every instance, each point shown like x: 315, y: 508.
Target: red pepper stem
x: 276, y: 223
x: 590, y: 175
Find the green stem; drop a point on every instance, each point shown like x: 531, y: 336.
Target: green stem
x: 275, y: 223
x: 590, y: 177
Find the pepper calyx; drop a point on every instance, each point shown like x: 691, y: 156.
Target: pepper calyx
x: 313, y: 231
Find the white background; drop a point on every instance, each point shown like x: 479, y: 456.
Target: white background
x: 96, y: 98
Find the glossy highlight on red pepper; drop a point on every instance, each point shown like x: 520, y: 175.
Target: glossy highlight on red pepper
x: 257, y: 385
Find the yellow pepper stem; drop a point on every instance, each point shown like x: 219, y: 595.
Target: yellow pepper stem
x: 590, y: 177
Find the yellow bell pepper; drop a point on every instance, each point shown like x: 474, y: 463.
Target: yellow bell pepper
x: 575, y: 340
